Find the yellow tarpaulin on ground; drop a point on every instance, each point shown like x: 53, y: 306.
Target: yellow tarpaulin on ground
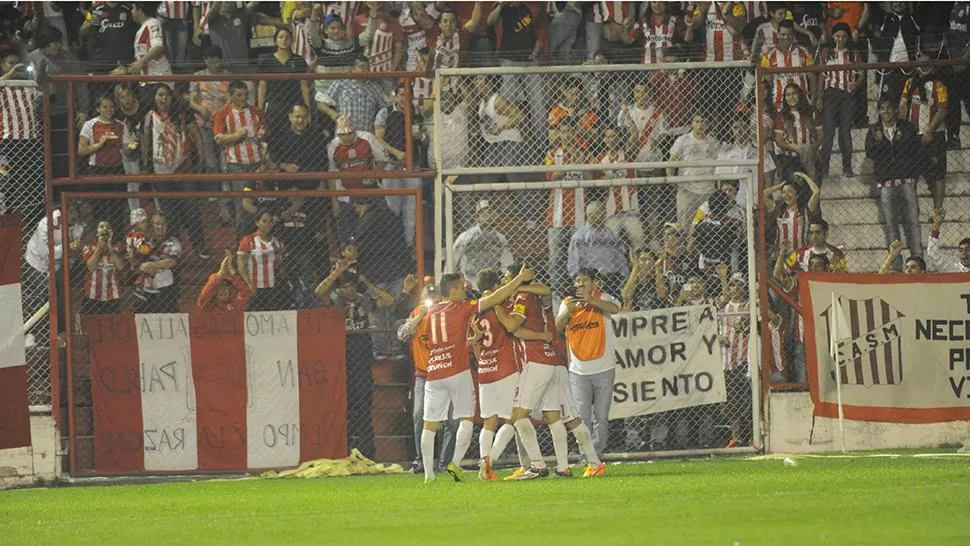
x: 355, y: 464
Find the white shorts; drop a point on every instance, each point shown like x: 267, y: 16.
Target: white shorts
x: 564, y: 393
x: 457, y: 391
x: 497, y: 398
x: 535, y: 381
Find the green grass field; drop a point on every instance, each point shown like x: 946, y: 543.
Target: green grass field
x: 864, y: 500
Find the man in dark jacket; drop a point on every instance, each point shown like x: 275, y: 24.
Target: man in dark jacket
x: 384, y: 258
x: 894, y: 148
x: 884, y: 29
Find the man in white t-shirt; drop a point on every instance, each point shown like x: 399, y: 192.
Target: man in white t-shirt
x: 585, y: 321
x: 696, y: 145
x: 149, y: 45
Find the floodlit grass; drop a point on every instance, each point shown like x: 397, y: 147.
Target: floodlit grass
x: 905, y: 500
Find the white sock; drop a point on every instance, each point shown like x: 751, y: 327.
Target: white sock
x: 520, y: 452
x: 427, y: 452
x: 560, y: 443
x: 463, y: 439
x: 527, y: 432
x: 505, y: 433
x: 585, y: 441
x: 485, y: 439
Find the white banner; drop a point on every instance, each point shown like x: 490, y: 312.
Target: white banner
x: 902, y: 345
x: 665, y: 360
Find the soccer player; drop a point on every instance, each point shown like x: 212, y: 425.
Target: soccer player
x: 449, y: 372
x: 544, y: 384
x: 498, y: 369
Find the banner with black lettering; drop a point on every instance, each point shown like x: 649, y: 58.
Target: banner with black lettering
x: 217, y: 391
x: 665, y: 360
x: 902, y: 345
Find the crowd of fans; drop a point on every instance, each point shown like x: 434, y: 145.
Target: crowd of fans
x: 653, y: 246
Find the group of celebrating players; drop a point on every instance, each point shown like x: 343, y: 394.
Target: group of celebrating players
x: 521, y: 367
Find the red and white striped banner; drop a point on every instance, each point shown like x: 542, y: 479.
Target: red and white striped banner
x: 14, y: 409
x: 217, y: 391
x: 901, y: 345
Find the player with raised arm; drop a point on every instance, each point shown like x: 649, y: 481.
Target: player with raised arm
x: 544, y: 384
x: 498, y: 370
x: 449, y: 369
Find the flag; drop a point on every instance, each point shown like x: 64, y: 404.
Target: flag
x: 14, y: 409
x: 217, y: 391
x: 868, y: 341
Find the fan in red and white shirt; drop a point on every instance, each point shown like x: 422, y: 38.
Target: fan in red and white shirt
x: 791, y: 214
x: 258, y: 261
x: 766, y: 35
x: 20, y: 133
x: 380, y: 35
x: 448, y: 40
x: 723, y: 22
x: 149, y: 46
x: 102, y: 291
x: 788, y: 280
x: 657, y: 30
x: 622, y: 204
x: 788, y: 54
x: 355, y: 151
x: 567, y: 206
x: 735, y: 331
x: 102, y: 139
x: 239, y: 127
x: 18, y: 115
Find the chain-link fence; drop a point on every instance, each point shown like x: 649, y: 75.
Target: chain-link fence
x: 494, y: 121
x: 304, y: 249
x: 869, y: 177
x: 22, y: 152
x: 626, y: 229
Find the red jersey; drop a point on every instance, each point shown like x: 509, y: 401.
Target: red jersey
x: 658, y: 32
x: 174, y: 10
x: 359, y: 156
x: 380, y: 51
x: 722, y: 42
x: 610, y: 12
x: 448, y: 330
x: 207, y: 297
x: 796, y: 57
x: 102, y: 283
x: 926, y: 99
x: 537, y: 318
x: 732, y: 327
x: 18, y: 117
x: 839, y: 79
x: 264, y: 256
x: 110, y: 154
x: 496, y: 357
x: 446, y: 52
x: 228, y: 120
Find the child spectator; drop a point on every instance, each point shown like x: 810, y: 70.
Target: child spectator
x: 104, y: 263
x: 225, y: 290
x: 258, y: 261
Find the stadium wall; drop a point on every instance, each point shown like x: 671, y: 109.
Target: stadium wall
x: 791, y: 428
x: 37, y: 463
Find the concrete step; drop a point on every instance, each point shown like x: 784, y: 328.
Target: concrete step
x: 957, y: 161
x: 838, y: 187
x: 865, y: 210
x: 870, y: 236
